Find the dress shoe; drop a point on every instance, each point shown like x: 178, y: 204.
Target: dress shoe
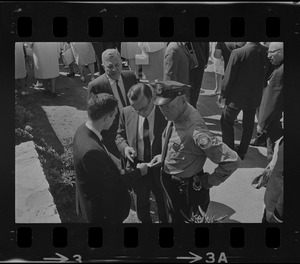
x: 242, y: 156
x: 255, y: 142
x: 71, y: 74
x: 236, y: 149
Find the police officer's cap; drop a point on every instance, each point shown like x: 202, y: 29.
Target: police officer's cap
x: 168, y: 90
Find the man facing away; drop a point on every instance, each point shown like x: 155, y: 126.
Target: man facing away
x: 241, y: 90
x: 139, y: 140
x: 101, y: 189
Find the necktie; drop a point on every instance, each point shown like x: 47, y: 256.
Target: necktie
x: 120, y: 94
x: 146, y: 138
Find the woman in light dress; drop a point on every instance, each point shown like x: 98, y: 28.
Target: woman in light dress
x: 84, y: 54
x: 218, y: 69
x: 20, y: 66
x: 46, y: 65
x: 155, y: 52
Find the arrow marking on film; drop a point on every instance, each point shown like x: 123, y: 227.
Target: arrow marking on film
x: 60, y: 259
x: 193, y: 259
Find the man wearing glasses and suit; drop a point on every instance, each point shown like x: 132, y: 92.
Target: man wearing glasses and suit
x: 116, y: 82
x: 139, y: 139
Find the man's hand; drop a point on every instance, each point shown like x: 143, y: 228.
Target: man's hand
x: 143, y: 167
x: 156, y: 161
x: 129, y: 153
x: 204, y: 181
x: 221, y: 102
x: 259, y: 129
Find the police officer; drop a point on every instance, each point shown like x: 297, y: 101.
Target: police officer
x: 186, y: 144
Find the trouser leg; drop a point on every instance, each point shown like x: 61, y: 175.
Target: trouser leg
x: 229, y: 114
x: 274, y: 132
x: 142, y: 190
x: 159, y: 198
x: 248, y: 125
x: 199, y: 198
x: 175, y: 201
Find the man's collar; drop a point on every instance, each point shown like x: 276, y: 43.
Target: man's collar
x: 111, y: 80
x: 90, y: 127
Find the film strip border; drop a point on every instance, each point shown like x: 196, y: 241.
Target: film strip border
x: 131, y: 25
x: 60, y: 236
x: 109, y: 22
x: 156, y: 21
x: 209, y: 244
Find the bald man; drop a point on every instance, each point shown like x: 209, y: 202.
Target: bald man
x: 271, y: 107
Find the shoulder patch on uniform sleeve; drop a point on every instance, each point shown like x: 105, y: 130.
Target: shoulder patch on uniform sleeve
x: 204, y: 141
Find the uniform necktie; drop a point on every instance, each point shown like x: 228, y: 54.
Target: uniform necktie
x: 120, y: 94
x: 146, y: 138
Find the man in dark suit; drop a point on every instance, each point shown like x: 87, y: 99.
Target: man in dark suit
x: 196, y: 74
x: 101, y: 190
x: 241, y: 89
x: 139, y: 140
x: 114, y: 82
x: 271, y: 107
x: 177, y: 63
x: 185, y: 62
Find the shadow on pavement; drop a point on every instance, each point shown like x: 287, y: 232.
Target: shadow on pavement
x: 254, y: 159
x: 219, y: 209
x: 70, y: 92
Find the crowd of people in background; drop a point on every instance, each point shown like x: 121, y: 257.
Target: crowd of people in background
x: 144, y: 132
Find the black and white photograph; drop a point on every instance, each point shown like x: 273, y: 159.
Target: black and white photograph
x: 149, y: 132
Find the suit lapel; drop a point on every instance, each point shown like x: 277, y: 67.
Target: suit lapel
x: 126, y: 87
x: 135, y: 122
x: 101, y: 145
x: 158, y: 121
x: 107, y: 85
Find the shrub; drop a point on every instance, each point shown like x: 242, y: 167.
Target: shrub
x: 59, y: 170
x: 22, y: 116
x: 202, y: 217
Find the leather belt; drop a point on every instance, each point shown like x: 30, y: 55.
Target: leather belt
x: 195, y: 179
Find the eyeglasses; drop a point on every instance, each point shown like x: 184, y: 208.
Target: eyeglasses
x: 273, y: 51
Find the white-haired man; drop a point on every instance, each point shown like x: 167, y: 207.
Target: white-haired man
x: 116, y: 82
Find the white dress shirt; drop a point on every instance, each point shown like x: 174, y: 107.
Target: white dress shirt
x: 151, y: 118
x: 113, y: 86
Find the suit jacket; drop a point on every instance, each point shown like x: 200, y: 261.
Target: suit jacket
x: 196, y: 75
x: 102, y: 85
x: 271, y: 106
x: 226, y: 49
x: 128, y: 133
x: 101, y: 191
x: 243, y: 82
x: 176, y: 64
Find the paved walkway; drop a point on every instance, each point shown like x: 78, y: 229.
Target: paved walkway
x: 235, y: 197
x: 34, y: 202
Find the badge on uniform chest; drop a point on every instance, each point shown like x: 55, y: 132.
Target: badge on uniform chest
x: 175, y: 146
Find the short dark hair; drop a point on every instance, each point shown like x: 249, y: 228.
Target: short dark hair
x: 100, y: 105
x: 136, y: 90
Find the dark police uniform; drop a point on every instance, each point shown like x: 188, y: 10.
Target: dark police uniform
x: 186, y: 144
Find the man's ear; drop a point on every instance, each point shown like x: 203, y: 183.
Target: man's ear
x: 105, y: 118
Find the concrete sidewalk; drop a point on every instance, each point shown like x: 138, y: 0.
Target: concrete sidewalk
x: 34, y: 202
x: 235, y: 197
